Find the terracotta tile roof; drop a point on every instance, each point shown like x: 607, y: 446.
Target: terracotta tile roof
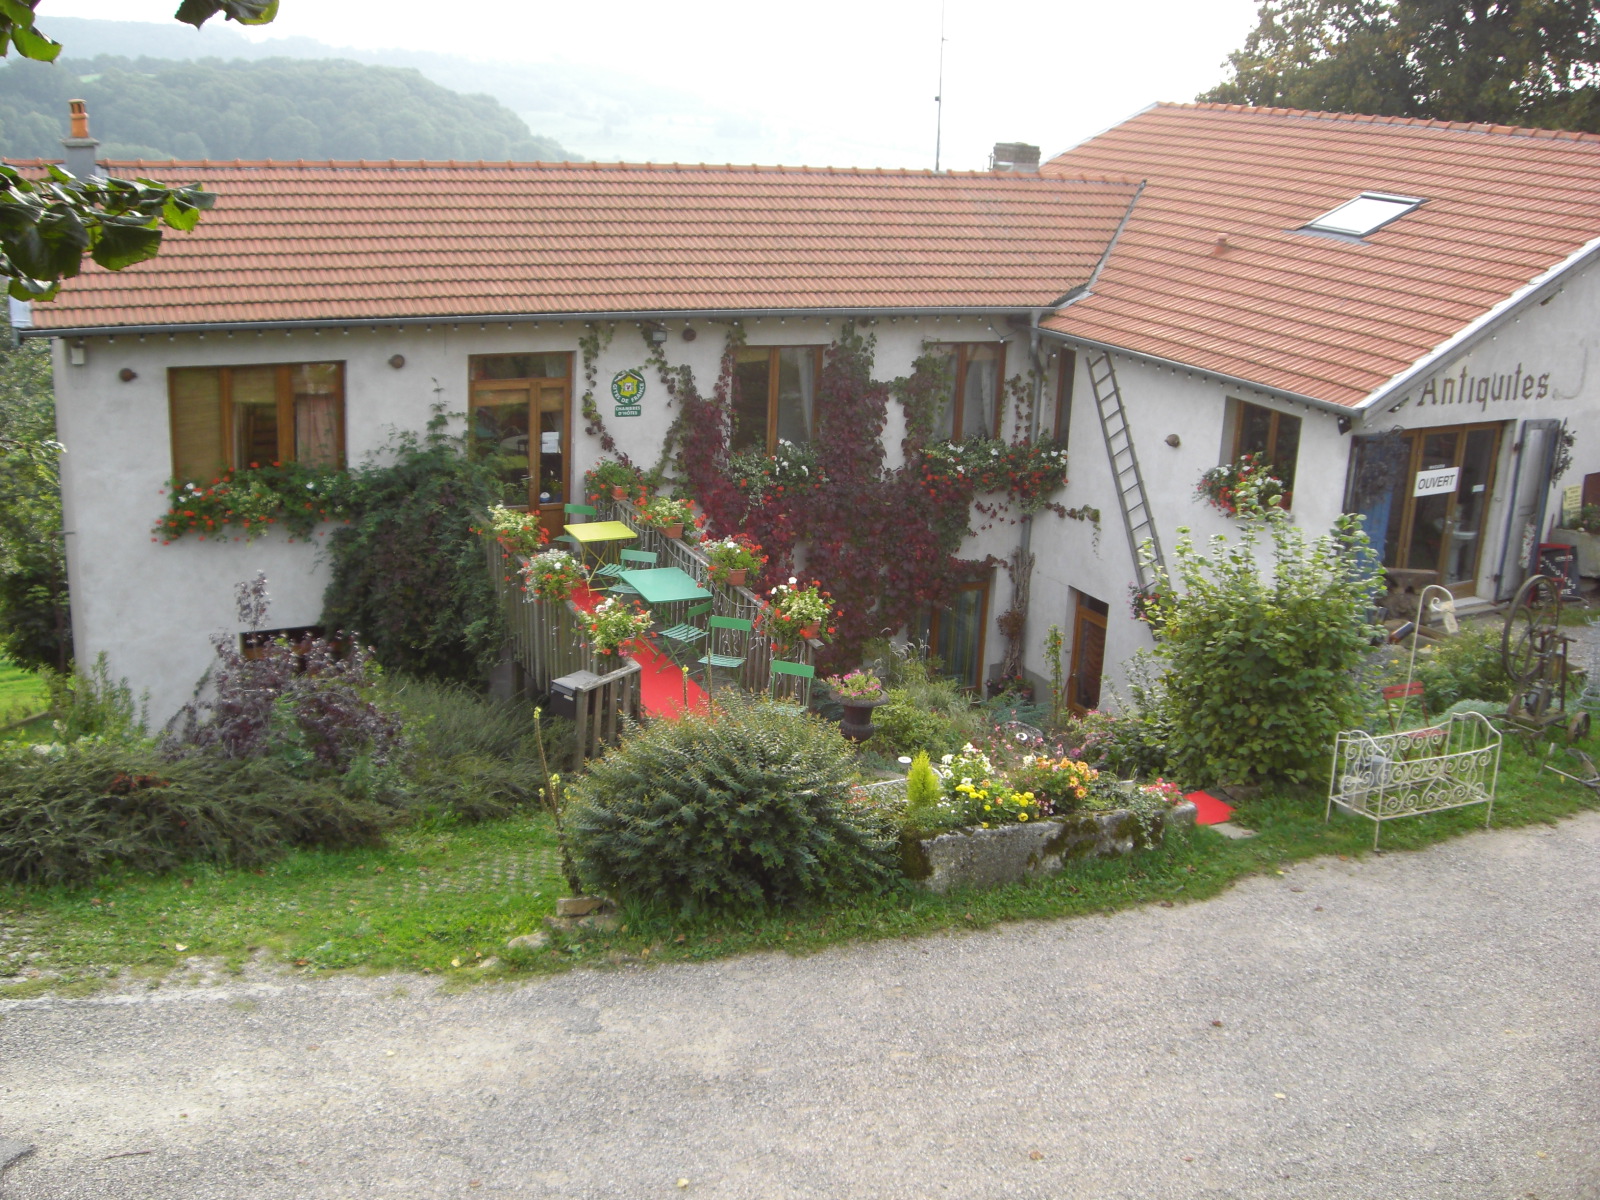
x: 357, y: 241
x: 1315, y: 315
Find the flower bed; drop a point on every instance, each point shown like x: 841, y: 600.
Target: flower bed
x: 1002, y: 854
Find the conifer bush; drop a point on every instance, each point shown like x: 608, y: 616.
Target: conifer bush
x: 69, y: 812
x: 747, y: 808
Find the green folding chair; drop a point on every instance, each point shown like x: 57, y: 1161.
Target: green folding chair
x: 576, y: 510
x: 711, y: 660
x: 795, y: 670
x: 687, y: 634
x: 627, y: 560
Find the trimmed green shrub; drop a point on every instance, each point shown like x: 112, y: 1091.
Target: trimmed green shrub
x: 922, y: 785
x: 1465, y: 666
x: 70, y: 812
x: 409, y: 575
x: 749, y: 807
x: 1264, y: 657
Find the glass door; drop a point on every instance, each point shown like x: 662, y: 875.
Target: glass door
x: 1425, y: 494
x: 520, y: 413
x: 1088, y: 654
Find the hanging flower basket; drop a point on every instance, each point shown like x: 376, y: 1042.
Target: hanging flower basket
x: 1238, y: 488
x: 795, y: 614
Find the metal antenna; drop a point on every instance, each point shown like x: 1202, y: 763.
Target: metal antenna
x: 938, y: 120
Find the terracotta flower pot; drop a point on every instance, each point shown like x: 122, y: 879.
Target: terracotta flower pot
x: 809, y: 632
x: 736, y: 578
x: 674, y: 531
x: 618, y: 492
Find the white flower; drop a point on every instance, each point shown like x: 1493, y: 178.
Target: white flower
x: 311, y: 487
x: 792, y: 579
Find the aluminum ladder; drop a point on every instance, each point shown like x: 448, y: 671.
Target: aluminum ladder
x: 1131, y: 496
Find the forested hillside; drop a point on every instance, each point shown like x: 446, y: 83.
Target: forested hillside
x: 271, y: 108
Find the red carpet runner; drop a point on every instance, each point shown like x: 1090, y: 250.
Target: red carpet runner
x: 661, y: 682
x: 1208, y: 810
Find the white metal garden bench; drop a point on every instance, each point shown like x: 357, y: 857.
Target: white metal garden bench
x: 1451, y: 764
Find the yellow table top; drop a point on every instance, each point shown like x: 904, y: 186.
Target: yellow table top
x: 601, y: 531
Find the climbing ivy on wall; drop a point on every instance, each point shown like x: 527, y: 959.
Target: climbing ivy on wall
x: 883, y: 541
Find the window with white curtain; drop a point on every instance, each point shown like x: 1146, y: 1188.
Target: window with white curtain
x: 774, y: 396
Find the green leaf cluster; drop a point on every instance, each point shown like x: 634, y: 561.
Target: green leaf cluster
x: 747, y: 808
x: 35, y: 621
x: 1513, y: 62
x: 408, y: 572
x: 1264, y: 657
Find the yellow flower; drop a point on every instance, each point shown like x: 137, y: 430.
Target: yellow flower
x: 1022, y: 816
x: 988, y: 808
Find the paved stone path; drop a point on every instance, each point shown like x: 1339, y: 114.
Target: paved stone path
x: 1406, y: 1027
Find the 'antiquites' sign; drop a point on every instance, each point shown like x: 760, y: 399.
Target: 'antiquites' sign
x: 1466, y: 388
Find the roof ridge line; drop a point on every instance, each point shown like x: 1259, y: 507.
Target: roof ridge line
x: 512, y: 164
x: 1574, y: 135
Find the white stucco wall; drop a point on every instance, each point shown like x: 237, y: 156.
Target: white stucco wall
x: 1555, y: 339
x: 153, y: 608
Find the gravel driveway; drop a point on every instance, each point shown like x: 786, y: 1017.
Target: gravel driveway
x: 1410, y: 1026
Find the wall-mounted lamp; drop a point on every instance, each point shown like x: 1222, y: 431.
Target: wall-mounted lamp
x: 78, y: 353
x: 1344, y: 425
x: 397, y: 361
x: 127, y: 374
x: 657, y: 335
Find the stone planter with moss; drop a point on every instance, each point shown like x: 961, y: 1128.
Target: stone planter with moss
x: 974, y: 857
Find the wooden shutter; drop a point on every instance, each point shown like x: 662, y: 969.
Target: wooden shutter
x: 195, y: 399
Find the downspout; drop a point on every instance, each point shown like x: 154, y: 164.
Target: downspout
x: 1025, y: 537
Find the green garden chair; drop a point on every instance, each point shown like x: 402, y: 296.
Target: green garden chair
x: 627, y: 560
x: 687, y: 634
x: 575, y: 510
x: 729, y: 626
x: 795, y: 671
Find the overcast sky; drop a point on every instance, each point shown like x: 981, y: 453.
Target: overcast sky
x: 831, y: 82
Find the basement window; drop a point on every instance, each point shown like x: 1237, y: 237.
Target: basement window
x: 1367, y: 212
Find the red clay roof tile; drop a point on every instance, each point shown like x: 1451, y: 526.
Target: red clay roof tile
x: 1324, y: 317
x: 365, y: 241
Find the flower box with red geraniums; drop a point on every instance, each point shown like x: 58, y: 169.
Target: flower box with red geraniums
x: 733, y: 560
x: 795, y: 614
x: 667, y: 514
x: 518, y: 530
x: 244, y: 503
x: 1242, y: 485
x: 615, y: 623
x: 552, y: 575
x: 609, y: 479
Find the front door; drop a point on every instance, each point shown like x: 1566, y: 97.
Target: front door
x: 1425, y: 494
x: 1088, y: 654
x: 521, y: 414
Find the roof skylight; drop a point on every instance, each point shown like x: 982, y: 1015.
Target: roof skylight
x: 1367, y: 212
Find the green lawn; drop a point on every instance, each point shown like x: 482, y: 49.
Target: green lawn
x: 21, y: 692
x: 441, y: 899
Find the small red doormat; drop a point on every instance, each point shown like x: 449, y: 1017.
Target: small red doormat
x: 1208, y: 810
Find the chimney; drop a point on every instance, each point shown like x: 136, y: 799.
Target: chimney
x: 80, y: 146
x: 1015, y: 158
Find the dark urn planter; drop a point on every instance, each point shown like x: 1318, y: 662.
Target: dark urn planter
x: 856, y: 724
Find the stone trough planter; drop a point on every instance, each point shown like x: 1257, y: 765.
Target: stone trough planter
x: 1007, y: 853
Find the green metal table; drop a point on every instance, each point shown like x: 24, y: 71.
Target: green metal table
x: 664, y: 585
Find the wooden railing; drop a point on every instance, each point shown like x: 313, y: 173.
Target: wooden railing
x: 756, y: 674
x: 549, y: 641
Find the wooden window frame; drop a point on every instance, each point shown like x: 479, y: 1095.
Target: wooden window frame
x: 772, y: 390
x: 1275, y: 423
x: 284, y: 394
x: 958, y: 400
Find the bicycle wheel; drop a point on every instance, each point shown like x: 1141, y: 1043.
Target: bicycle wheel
x: 1531, y: 621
